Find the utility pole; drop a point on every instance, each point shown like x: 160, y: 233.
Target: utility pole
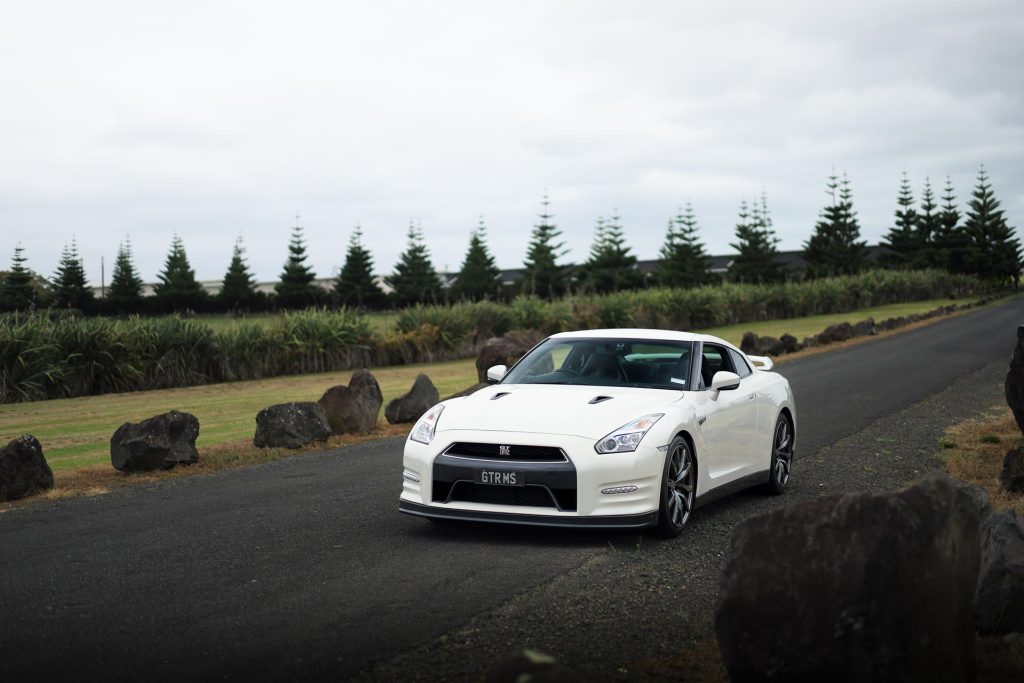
x: 103, y: 279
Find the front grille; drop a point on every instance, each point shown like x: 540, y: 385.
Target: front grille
x: 534, y: 496
x: 516, y: 453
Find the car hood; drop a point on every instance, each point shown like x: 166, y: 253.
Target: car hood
x: 553, y: 409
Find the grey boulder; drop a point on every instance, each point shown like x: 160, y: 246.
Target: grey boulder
x: 1014, y: 385
x: 23, y: 469
x: 504, y: 350
x: 836, y: 333
x: 410, y: 406
x: 291, y: 425
x: 979, y: 495
x: 865, y: 328
x: 999, y: 603
x: 748, y: 344
x: 790, y: 344
x: 353, y: 409
x: 1011, y: 477
x: 754, y: 345
x: 849, y: 588
x: 159, y: 442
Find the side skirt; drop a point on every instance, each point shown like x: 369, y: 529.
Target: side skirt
x: 745, y: 482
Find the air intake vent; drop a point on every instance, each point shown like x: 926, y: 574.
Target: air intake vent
x: 600, y: 399
x: 500, y: 394
x: 493, y: 451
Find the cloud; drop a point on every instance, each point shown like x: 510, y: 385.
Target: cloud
x: 214, y: 119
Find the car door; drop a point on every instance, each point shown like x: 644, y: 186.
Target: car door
x: 757, y: 385
x: 730, y: 420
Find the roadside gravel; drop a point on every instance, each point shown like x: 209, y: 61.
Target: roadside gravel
x: 644, y: 600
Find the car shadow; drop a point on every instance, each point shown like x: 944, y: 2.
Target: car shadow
x: 504, y: 535
x: 746, y: 502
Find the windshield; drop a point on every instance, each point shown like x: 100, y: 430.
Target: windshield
x: 606, y: 363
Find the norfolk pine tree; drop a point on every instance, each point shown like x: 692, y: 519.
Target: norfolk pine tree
x: 756, y: 258
x: 902, y: 238
x: 543, y: 276
x: 69, y: 286
x: 414, y: 281
x: 928, y: 227
x: 950, y: 239
x: 125, y: 292
x: 611, y: 267
x: 684, y: 263
x: 479, y: 278
x: 18, y: 292
x: 238, y: 288
x: 835, y: 247
x: 296, y: 288
x: 995, y: 251
x: 356, y: 286
x: 177, y: 289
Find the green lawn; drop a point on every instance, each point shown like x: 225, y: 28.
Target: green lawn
x: 805, y: 327
x: 76, y: 432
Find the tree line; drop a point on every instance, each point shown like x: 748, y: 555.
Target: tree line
x: 924, y: 235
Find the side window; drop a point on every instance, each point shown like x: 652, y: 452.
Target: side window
x: 715, y: 359
x: 740, y: 363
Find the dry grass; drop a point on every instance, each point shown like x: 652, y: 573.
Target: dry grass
x: 973, y: 451
x: 698, y: 662
x: 1000, y: 660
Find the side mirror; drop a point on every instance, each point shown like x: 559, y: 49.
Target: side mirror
x: 724, y: 381
x: 495, y: 373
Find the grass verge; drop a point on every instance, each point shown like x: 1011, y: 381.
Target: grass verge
x: 94, y: 480
x: 973, y: 451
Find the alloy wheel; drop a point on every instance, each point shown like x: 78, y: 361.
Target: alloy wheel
x: 680, y: 485
x: 782, y: 449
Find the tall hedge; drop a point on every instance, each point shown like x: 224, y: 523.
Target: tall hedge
x: 53, y: 356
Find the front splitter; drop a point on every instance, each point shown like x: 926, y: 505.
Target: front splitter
x: 640, y: 521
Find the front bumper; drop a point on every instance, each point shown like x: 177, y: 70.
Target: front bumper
x: 601, y: 522
x: 572, y: 489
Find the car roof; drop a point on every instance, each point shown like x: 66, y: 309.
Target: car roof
x: 636, y: 333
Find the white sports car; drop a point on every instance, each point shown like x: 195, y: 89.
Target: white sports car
x: 604, y: 428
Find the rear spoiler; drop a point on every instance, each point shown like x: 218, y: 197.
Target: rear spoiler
x: 762, y: 362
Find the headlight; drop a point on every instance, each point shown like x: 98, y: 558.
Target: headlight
x: 423, y: 431
x: 626, y: 438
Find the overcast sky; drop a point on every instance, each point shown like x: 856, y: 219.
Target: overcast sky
x: 211, y: 119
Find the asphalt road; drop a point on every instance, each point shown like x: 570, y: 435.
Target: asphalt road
x: 304, y: 568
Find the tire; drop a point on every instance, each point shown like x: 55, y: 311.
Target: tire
x: 678, y: 489
x: 782, y: 456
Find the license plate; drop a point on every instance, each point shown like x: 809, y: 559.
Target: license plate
x: 500, y: 477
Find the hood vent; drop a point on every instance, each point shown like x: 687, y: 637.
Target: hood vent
x: 599, y: 399
x: 499, y: 395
